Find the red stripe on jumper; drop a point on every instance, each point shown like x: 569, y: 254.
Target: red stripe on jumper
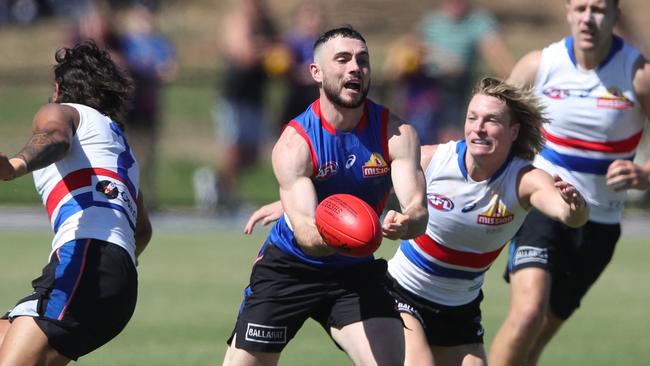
x: 72, y: 181
x: 620, y: 146
x: 455, y: 257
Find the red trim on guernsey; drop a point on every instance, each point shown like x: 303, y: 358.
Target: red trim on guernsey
x: 328, y: 126
x: 72, y: 181
x: 385, y: 114
x: 456, y: 257
x: 76, y: 284
x: 314, y: 159
x: 364, y: 119
x: 380, y: 206
x: 620, y: 146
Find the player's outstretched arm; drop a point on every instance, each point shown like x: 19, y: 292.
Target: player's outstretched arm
x: 52, y: 130
x: 292, y: 167
x: 408, y: 183
x: 554, y: 197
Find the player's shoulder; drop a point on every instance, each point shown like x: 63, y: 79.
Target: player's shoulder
x: 525, y: 70
x: 55, y: 112
x: 642, y: 75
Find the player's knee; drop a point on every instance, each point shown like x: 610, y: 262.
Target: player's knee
x: 527, y: 317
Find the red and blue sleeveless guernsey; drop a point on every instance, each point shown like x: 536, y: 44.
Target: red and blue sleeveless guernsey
x: 355, y: 162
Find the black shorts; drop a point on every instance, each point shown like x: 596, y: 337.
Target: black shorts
x: 284, y: 292
x: 444, y: 326
x: 575, y: 257
x: 84, y: 298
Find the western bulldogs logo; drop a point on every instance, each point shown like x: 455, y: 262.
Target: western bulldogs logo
x: 327, y: 170
x: 440, y: 202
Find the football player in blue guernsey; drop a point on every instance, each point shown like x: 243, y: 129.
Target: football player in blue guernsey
x: 342, y: 143
x: 479, y: 191
x: 596, y: 89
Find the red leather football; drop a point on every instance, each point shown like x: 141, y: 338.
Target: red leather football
x: 348, y: 223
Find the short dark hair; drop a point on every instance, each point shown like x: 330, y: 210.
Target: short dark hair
x: 346, y: 31
x: 86, y: 75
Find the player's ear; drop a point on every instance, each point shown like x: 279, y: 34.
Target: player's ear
x: 514, y: 131
x: 316, y: 72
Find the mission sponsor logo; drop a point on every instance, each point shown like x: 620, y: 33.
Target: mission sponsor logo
x: 496, y: 214
x: 440, y: 202
x: 328, y: 170
x: 375, y: 167
x: 266, y: 333
x: 614, y: 99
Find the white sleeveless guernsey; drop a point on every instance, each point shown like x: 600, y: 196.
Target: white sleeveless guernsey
x: 91, y: 193
x: 469, y: 223
x: 595, y: 119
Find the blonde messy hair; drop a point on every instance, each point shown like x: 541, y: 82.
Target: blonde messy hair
x: 525, y: 109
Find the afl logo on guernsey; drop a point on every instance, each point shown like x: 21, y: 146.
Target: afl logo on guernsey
x: 440, y: 203
x: 327, y: 170
x: 375, y: 167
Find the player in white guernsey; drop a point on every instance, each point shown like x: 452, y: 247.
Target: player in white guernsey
x: 479, y: 190
x: 596, y: 89
x: 87, y: 177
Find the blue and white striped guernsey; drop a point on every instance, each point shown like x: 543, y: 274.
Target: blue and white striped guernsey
x: 91, y: 193
x: 595, y: 119
x: 469, y: 224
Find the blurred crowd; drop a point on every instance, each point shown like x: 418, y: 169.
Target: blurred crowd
x: 425, y: 77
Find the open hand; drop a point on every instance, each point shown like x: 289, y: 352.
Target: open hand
x: 395, y: 225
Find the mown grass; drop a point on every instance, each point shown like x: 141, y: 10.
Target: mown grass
x: 191, y: 284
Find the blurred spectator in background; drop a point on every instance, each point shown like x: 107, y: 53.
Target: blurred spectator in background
x: 302, y: 89
x: 95, y: 22
x: 451, y: 40
x: 250, y: 53
x: 414, y: 94
x: 151, y: 61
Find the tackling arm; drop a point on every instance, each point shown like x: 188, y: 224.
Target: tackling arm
x: 554, y: 197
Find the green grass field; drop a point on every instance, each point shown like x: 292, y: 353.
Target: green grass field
x: 191, y: 283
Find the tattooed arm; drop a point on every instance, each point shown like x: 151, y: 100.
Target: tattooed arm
x: 52, y: 130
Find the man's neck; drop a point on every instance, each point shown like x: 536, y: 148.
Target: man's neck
x: 591, y: 59
x: 341, y: 118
